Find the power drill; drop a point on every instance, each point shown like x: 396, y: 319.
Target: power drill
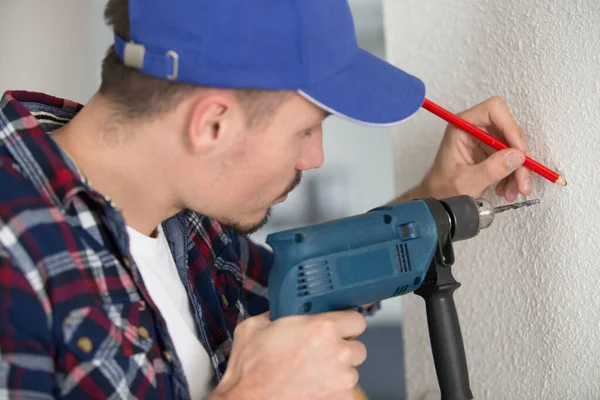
x: 388, y: 251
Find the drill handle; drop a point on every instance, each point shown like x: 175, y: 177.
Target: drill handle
x: 447, y: 343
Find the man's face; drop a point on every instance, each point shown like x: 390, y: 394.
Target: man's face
x: 265, y: 163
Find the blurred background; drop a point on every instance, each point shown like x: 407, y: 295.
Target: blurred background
x: 56, y: 47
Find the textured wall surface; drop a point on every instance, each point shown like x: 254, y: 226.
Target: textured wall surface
x: 530, y: 304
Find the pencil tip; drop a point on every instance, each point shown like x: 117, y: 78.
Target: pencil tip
x: 561, y: 181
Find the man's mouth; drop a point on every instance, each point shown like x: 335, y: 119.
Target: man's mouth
x: 291, y: 187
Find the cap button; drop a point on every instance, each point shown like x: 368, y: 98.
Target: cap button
x: 85, y: 344
x: 143, y: 332
x: 225, y: 302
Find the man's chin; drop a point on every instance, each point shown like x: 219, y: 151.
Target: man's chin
x: 250, y: 228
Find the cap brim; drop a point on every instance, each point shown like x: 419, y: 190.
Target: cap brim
x: 370, y: 91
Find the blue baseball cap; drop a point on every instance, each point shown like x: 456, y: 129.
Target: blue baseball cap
x: 309, y: 46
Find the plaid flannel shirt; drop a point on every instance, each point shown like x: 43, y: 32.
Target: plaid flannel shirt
x: 75, y: 318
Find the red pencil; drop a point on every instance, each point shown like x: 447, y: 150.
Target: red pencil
x: 491, y: 141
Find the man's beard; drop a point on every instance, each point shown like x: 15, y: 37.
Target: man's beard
x: 248, y: 229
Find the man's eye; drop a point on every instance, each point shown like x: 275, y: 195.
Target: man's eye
x: 308, y: 132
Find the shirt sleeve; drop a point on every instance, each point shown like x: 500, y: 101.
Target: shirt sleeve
x: 26, y: 355
x: 256, y: 262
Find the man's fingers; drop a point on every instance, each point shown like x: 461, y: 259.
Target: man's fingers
x: 512, y: 191
x: 497, y: 167
x: 524, y: 181
x: 516, y: 137
x: 355, y: 353
x: 520, y: 182
x: 501, y: 187
x: 349, y: 324
x: 492, y: 112
x: 523, y: 139
x: 495, y: 114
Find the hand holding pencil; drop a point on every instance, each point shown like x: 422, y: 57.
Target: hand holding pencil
x: 491, y: 141
x: 482, y: 147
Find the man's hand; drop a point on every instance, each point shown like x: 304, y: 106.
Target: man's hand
x: 466, y: 166
x: 295, y: 358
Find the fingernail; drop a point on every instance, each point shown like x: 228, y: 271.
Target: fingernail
x: 527, y: 184
x: 512, y: 195
x: 514, y: 159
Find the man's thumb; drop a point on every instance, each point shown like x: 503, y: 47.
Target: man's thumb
x: 497, y: 167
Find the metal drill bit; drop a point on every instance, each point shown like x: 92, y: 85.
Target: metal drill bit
x: 514, y: 206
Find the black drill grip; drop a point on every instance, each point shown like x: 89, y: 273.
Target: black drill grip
x: 447, y: 343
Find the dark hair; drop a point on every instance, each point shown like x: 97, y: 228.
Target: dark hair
x: 137, y: 95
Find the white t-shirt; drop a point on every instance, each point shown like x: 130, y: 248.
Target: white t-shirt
x: 157, y: 267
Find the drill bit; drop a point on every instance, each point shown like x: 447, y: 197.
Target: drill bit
x: 514, y: 206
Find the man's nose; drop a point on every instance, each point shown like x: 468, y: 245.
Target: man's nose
x: 312, y: 155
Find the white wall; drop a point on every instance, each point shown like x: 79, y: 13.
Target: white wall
x: 530, y: 304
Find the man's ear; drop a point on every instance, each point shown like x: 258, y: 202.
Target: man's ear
x: 212, y: 121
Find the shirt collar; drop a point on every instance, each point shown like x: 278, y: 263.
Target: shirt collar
x: 26, y: 118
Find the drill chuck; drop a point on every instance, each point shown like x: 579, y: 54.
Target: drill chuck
x: 486, y: 212
x: 468, y: 216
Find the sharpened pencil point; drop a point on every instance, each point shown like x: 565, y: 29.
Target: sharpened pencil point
x: 561, y: 181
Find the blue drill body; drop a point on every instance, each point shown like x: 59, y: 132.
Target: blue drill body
x: 386, y: 252
x: 353, y: 261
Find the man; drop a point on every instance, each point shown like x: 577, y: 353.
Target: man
x: 124, y: 263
